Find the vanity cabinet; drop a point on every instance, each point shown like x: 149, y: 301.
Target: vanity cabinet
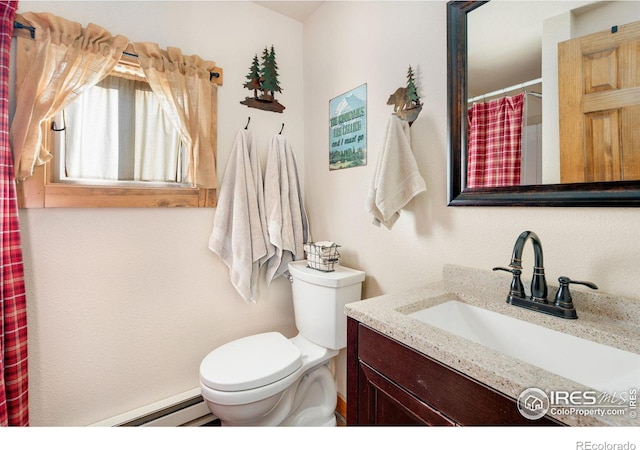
x: 389, y: 383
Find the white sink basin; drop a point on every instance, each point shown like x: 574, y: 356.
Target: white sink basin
x: 594, y: 365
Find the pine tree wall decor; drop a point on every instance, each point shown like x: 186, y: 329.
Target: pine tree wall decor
x: 405, y: 100
x: 262, y: 79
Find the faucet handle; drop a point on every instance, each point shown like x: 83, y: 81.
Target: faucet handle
x: 516, y: 289
x: 514, y: 271
x: 563, y: 296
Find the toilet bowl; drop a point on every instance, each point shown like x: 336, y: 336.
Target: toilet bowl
x: 269, y: 380
x: 272, y: 373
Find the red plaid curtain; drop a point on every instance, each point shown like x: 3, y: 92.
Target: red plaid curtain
x: 495, y: 142
x: 14, y: 399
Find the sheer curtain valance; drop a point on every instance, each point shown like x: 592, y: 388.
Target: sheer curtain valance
x: 65, y: 59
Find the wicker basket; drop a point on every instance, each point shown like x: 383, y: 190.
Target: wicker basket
x: 322, y: 255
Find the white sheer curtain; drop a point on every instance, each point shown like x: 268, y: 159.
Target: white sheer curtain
x: 157, y: 147
x: 91, y: 132
x: 117, y: 130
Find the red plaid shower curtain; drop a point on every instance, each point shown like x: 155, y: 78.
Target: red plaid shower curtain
x: 495, y: 142
x: 13, y: 311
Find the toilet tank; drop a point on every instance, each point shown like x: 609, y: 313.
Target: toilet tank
x: 319, y: 299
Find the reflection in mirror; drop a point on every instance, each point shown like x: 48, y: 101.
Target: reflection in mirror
x: 513, y: 49
x: 504, y: 56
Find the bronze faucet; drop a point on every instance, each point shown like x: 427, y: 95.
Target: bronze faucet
x: 563, y: 304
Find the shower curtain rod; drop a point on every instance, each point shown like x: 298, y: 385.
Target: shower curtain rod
x: 32, y: 32
x: 505, y: 90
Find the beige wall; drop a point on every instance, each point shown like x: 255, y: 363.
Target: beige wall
x: 375, y: 45
x: 350, y: 43
x: 123, y: 304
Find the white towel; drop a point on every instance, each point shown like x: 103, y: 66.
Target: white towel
x: 397, y: 179
x: 239, y: 235
x: 287, y: 222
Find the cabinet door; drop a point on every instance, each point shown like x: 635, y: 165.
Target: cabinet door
x: 382, y: 402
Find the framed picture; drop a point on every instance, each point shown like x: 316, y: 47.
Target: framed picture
x: 348, y: 129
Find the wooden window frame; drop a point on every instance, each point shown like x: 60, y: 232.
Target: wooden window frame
x: 41, y: 191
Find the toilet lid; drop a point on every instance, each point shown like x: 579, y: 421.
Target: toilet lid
x: 250, y: 362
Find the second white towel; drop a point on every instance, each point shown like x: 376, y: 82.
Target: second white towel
x: 397, y: 179
x: 287, y: 223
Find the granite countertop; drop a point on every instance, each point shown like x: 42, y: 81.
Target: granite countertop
x: 602, y: 318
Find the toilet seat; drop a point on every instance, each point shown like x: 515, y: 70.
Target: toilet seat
x: 250, y: 362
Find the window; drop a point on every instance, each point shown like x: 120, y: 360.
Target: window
x: 137, y: 168
x: 115, y: 132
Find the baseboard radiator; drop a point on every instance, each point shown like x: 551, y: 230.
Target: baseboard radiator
x: 186, y: 409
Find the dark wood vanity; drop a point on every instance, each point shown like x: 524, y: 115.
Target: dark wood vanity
x: 388, y: 383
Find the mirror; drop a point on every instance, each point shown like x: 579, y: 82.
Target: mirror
x: 553, y: 193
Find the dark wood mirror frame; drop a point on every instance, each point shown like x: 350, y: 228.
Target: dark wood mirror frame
x: 620, y: 193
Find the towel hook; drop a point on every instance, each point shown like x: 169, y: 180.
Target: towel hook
x: 281, y: 128
x: 247, y: 125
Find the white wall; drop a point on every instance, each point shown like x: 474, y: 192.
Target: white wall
x: 123, y: 304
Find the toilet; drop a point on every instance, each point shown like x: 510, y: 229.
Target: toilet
x: 269, y: 380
